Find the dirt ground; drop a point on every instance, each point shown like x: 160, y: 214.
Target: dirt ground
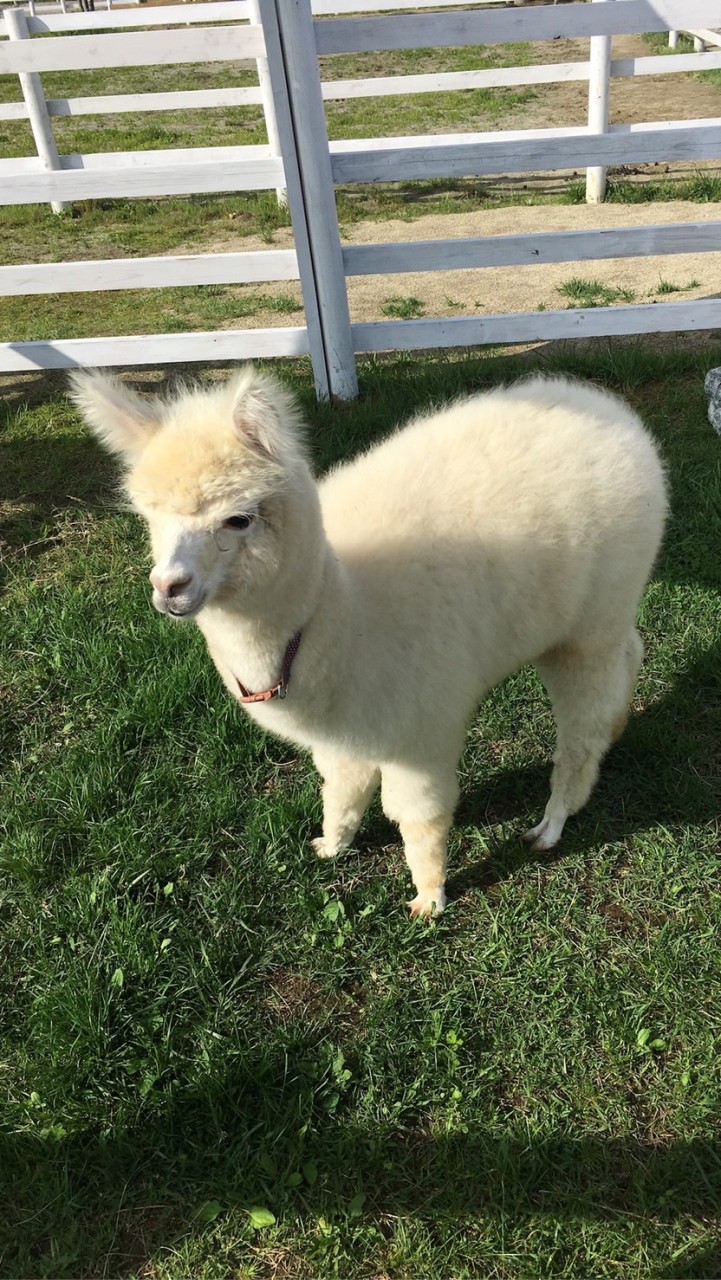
x: 522, y: 289
x: 510, y: 289
x: 494, y: 290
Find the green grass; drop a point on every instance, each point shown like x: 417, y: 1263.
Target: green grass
x: 701, y: 188
x: 221, y: 1057
x: 402, y: 308
x: 659, y: 44
x: 173, y: 310
x: 668, y: 286
x: 592, y: 293
x: 236, y: 126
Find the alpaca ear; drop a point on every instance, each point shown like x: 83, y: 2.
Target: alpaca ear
x: 123, y: 421
x: 264, y: 416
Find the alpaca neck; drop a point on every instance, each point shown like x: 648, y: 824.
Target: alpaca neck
x: 248, y: 635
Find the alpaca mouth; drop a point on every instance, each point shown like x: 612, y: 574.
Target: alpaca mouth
x: 179, y: 609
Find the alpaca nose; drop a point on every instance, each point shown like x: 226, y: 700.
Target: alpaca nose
x: 169, y: 584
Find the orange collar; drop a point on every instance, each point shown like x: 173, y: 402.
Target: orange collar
x: 280, y: 689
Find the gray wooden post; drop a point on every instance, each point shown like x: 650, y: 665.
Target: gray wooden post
x: 32, y: 91
x: 599, y: 87
x: 300, y: 100
x: 271, y: 124
x: 294, y: 190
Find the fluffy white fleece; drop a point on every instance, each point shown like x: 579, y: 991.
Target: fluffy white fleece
x: 519, y: 525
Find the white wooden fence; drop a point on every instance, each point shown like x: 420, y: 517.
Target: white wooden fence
x: 701, y: 39
x: 285, y: 41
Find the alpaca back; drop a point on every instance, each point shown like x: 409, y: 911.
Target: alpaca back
x: 546, y: 457
x: 501, y: 526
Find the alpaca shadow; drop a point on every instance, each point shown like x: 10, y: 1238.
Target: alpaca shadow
x: 33, y: 387
x: 666, y: 770
x: 67, y: 474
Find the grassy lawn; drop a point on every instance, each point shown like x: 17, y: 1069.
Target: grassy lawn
x: 223, y: 1058
x: 239, y: 126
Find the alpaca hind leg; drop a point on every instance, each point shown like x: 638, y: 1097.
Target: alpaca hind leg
x: 634, y: 658
x: 348, y: 786
x: 590, y: 693
x: 421, y: 800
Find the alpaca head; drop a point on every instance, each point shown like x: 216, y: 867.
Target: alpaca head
x: 219, y: 476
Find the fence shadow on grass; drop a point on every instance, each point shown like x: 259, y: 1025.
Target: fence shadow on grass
x: 89, y: 1206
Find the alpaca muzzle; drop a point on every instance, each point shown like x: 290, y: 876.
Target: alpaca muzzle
x: 179, y: 597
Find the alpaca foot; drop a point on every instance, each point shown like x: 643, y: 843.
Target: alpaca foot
x: 545, y: 835
x: 322, y: 849
x: 428, y: 904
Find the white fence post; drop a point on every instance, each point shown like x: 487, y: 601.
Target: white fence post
x: 299, y: 212
x: 32, y: 90
x: 599, y: 88
x: 308, y: 144
x: 673, y: 39
x: 271, y: 123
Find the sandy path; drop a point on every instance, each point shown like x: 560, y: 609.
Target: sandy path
x: 511, y: 289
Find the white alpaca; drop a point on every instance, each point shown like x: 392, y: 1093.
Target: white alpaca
x: 515, y: 526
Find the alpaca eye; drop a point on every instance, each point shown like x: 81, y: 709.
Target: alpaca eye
x: 238, y: 522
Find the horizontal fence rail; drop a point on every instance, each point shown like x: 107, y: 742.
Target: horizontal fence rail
x: 155, y: 349
x: 465, y: 155
x: 132, y: 49
x: 595, y: 322
x: 149, y: 273
x: 512, y: 77
x: 144, y: 173
x: 118, y: 104
x: 484, y: 26
x: 531, y: 250
x: 364, y: 260
x: 700, y: 38
x: 165, y: 16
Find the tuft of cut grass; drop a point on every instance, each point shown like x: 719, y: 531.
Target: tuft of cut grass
x: 403, y: 308
x: 666, y: 286
x: 592, y: 293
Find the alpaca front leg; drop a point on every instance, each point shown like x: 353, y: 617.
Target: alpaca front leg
x: 421, y: 800
x: 425, y: 844
x: 348, y: 786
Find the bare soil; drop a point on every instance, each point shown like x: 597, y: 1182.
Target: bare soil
x: 523, y: 289
x: 494, y: 290
x: 510, y: 289
x: 634, y: 100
